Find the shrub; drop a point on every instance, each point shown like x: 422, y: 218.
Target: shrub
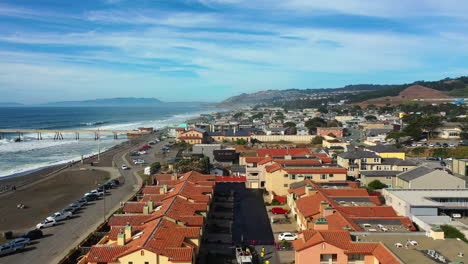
x: 376, y: 185
x: 452, y: 232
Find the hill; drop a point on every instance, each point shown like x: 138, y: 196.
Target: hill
x: 272, y: 96
x: 356, y: 93
x: 411, y: 93
x: 127, y: 101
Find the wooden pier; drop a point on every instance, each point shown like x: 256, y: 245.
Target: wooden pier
x: 58, y: 133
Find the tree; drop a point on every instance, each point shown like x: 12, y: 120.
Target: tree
x: 452, y: 232
x: 430, y: 124
x: 395, y: 136
x: 289, y: 124
x: 238, y: 115
x: 155, y: 167
x: 317, y: 140
x: 323, y: 110
x: 331, y: 135
x: 376, y: 185
x: 370, y: 118
x: 418, y: 151
x: 240, y: 141
x: 315, y: 122
x: 464, y: 128
x: 257, y: 116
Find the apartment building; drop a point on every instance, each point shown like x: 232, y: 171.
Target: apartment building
x: 165, y: 226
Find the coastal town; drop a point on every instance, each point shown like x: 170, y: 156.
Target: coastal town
x: 261, y: 184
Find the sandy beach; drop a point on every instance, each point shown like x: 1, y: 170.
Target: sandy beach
x: 44, y: 192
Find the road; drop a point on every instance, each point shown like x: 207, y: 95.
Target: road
x: 60, y: 239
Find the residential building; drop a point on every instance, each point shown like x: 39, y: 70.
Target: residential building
x: 325, y: 131
x: 164, y: 226
x: 357, y: 161
x: 230, y: 135
x: 256, y: 165
x: 449, y: 130
x: 206, y: 150
x: 386, y: 177
x: 192, y: 136
x: 337, y: 247
x: 460, y: 166
x: 343, y: 206
x: 302, y: 131
x: 427, y: 178
x: 387, y: 151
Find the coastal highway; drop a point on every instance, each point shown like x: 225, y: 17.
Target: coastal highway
x: 60, y: 239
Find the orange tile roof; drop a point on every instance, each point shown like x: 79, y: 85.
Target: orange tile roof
x: 345, y: 192
x: 317, y: 170
x: 105, y: 253
x: 273, y: 167
x: 253, y: 159
x: 368, y: 211
x: 300, y: 162
x: 310, y: 205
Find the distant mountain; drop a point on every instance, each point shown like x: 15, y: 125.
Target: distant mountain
x: 10, y: 104
x: 353, y: 93
x: 127, y: 101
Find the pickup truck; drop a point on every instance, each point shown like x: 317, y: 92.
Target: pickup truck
x: 59, y: 216
x: 95, y: 192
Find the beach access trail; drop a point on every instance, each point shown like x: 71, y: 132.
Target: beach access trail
x: 59, y: 240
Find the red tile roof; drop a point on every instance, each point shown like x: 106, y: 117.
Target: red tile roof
x: 299, y: 162
x: 368, y: 211
x: 105, y: 253
x: 317, y: 170
x: 345, y: 192
x: 282, y: 152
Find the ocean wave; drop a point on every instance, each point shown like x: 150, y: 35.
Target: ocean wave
x: 93, y: 123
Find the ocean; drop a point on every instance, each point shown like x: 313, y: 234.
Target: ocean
x: 17, y: 158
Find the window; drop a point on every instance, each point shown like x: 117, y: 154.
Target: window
x: 130, y: 262
x: 387, y: 168
x: 146, y: 262
x: 363, y: 167
x: 285, y: 175
x: 323, y: 176
x: 330, y: 175
x: 376, y: 159
x: 388, y: 177
x: 378, y: 168
x: 363, y: 160
x: 309, y: 177
x: 405, y: 169
x: 255, y: 164
x: 285, y: 185
x: 328, y: 257
x: 454, y: 134
x: 351, y: 169
x: 293, y: 176
x: 355, y: 257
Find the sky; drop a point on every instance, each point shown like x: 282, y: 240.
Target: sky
x: 208, y: 50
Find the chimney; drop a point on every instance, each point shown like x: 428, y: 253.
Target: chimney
x: 128, y: 230
x: 150, y: 205
x: 328, y: 210
x: 121, y: 239
x: 288, y: 157
x: 146, y: 210
x: 323, y: 204
x: 163, y: 189
x: 310, y: 190
x: 321, y: 224
x: 174, y: 176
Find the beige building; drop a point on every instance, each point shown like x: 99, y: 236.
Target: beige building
x: 449, y: 130
x: 460, y: 166
x: 359, y: 160
x: 427, y: 178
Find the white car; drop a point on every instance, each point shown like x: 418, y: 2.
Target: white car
x: 138, y: 162
x: 124, y: 167
x: 59, y: 216
x: 46, y: 223
x: 287, y: 236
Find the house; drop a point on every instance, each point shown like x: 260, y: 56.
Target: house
x: 206, y: 150
x: 387, y: 151
x: 359, y: 160
x: 230, y: 136
x: 336, y: 246
x: 302, y: 131
x: 238, y: 170
x: 325, y: 131
x: 426, y: 178
x: 449, y: 130
x: 256, y: 165
x: 192, y: 136
x: 386, y: 177
x: 226, y: 156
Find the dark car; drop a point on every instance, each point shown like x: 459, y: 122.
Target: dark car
x: 445, y: 145
x: 443, y: 164
x: 33, y: 234
x: 115, y: 182
x: 91, y: 197
x: 431, y: 158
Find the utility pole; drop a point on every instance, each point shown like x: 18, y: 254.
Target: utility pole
x: 99, y: 146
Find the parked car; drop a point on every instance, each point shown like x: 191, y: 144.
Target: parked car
x: 33, y: 234
x: 445, y: 145
x: 288, y: 236
x: 46, y: 223
x: 95, y: 192
x: 71, y: 209
x: 134, y: 154
x: 452, y: 145
x: 114, y: 182
x: 59, y: 216
x: 443, y: 164
x: 83, y: 201
x: 90, y: 197
x: 20, y: 241
x: 431, y: 158
x: 8, y: 249
x: 124, y: 167
x: 278, y: 210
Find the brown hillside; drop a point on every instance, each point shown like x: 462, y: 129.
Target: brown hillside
x: 411, y: 93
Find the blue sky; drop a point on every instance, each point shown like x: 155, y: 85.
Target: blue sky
x: 207, y: 50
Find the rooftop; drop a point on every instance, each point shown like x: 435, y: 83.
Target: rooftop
x: 449, y: 248
x: 428, y: 197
